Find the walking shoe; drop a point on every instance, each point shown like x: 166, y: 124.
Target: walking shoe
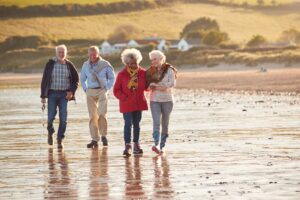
x: 50, y: 138
x: 92, y: 144
x: 137, y: 149
x: 60, y: 144
x: 104, y: 140
x: 128, y: 151
x: 156, y: 150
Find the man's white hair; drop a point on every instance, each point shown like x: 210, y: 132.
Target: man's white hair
x: 129, y: 54
x: 94, y: 48
x: 157, y: 54
x: 62, y: 46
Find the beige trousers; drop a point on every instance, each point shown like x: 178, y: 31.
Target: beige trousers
x: 97, y: 107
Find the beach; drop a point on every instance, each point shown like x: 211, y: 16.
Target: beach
x: 228, y: 140
x: 230, y: 78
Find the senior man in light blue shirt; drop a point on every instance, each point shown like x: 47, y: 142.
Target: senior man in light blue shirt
x: 97, y: 77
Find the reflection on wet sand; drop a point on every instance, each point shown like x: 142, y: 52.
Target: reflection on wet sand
x: 99, y: 188
x: 133, y: 183
x: 224, y: 145
x: 162, y: 185
x: 59, y: 182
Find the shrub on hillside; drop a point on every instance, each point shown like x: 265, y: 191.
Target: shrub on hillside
x: 19, y: 42
x: 214, y: 37
x: 291, y: 35
x: 256, y: 41
x: 201, y: 24
x: 123, y: 33
x: 205, y: 29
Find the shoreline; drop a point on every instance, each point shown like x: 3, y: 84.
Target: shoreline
x: 276, y: 79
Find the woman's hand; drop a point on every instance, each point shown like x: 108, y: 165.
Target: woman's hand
x: 152, y: 87
x: 161, y: 88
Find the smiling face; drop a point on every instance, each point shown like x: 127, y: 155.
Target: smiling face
x: 61, y: 54
x: 155, y: 61
x: 132, y: 63
x: 93, y: 55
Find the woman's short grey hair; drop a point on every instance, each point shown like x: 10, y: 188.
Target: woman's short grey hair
x: 62, y: 46
x: 95, y: 49
x: 129, y: 54
x: 157, y: 54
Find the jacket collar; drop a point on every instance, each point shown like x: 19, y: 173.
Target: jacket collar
x: 124, y: 70
x: 98, y: 62
x: 54, y: 59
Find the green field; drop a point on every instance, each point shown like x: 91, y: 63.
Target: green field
x: 24, y: 3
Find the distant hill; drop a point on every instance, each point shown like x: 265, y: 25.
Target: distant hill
x: 167, y: 22
x: 55, y: 8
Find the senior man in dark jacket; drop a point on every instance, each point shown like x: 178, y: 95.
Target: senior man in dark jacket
x: 59, y: 84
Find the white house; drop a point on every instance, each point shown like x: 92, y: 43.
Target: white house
x: 186, y: 44
x: 161, y: 44
x: 119, y: 47
x: 165, y: 45
x: 181, y: 45
x: 133, y: 44
x: 106, y: 48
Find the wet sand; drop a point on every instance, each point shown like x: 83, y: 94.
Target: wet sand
x: 236, y: 77
x: 276, y: 80
x: 222, y: 145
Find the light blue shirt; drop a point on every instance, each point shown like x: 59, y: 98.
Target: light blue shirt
x: 106, y: 75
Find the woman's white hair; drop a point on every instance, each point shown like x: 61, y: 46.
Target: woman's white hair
x: 62, y: 46
x: 157, y: 54
x: 129, y: 54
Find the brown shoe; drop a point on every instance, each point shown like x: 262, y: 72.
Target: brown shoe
x: 92, y: 144
x: 50, y: 138
x: 104, y: 141
x: 60, y: 144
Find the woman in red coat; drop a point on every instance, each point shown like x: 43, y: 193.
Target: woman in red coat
x: 129, y: 89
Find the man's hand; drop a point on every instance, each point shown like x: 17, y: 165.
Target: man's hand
x: 69, y: 95
x: 43, y: 101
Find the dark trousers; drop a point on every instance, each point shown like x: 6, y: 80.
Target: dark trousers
x: 57, y: 99
x: 132, y: 119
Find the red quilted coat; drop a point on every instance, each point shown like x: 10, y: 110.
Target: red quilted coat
x: 131, y: 100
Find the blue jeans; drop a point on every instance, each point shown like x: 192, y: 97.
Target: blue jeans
x: 57, y: 99
x: 132, y: 118
x: 161, y: 112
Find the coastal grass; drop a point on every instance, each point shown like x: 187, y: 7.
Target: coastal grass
x: 240, y: 24
x: 25, y: 3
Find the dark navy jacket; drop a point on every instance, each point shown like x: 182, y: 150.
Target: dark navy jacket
x: 46, y: 80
